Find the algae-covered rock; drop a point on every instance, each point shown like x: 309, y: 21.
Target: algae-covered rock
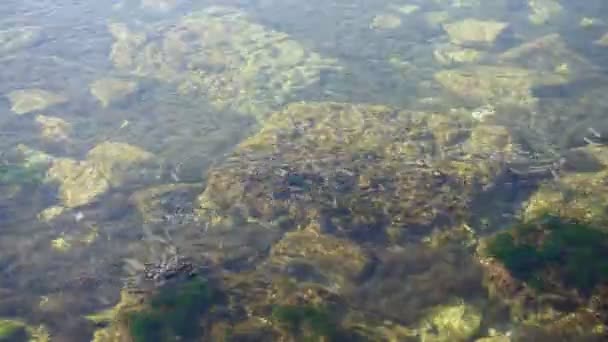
x: 309, y: 256
x: 453, y: 322
x: 53, y: 128
x: 18, y: 38
x: 407, y: 282
x: 349, y: 169
x: 29, y: 100
x: 108, y: 164
x: 48, y: 214
x: 112, y: 90
x: 548, y: 53
x: 580, y: 192
x: 81, y: 182
x: 541, y: 11
x: 553, y: 255
x: 474, y: 31
x: 164, y: 202
x: 385, y: 22
x: 452, y: 54
x: 12, y: 330
x: 120, y: 162
x: 498, y: 85
x: 222, y: 54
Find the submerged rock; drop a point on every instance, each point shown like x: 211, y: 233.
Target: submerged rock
x: 474, y: 31
x: 453, y: 54
x: 446, y: 323
x: 111, y: 90
x: 410, y: 281
x: 541, y: 11
x: 221, y: 54
x: 80, y: 181
x: 385, y: 22
x: 53, y: 128
x: 29, y: 100
x: 548, y: 53
x: 354, y: 170
x: 120, y: 162
x: 15, y: 39
x: 498, y: 85
x: 108, y: 164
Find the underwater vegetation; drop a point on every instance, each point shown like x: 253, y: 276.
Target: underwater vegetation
x: 312, y: 323
x: 17, y: 174
x: 173, y: 313
x: 553, y: 251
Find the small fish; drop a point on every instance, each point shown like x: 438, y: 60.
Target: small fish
x: 124, y: 124
x: 78, y: 216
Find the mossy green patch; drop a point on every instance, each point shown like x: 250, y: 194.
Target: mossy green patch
x: 552, y: 251
x: 11, y: 330
x: 309, y: 322
x: 173, y: 313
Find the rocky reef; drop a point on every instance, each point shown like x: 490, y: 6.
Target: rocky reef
x: 363, y: 172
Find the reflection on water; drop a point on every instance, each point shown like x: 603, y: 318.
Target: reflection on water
x: 303, y: 171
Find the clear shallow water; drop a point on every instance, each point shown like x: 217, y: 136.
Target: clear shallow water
x: 354, y: 155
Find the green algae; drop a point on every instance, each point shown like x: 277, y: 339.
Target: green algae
x: 12, y: 331
x: 173, y: 313
x: 18, y: 174
x: 553, y: 251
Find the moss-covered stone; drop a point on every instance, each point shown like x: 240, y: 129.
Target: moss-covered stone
x: 28, y: 100
x: 474, y: 31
